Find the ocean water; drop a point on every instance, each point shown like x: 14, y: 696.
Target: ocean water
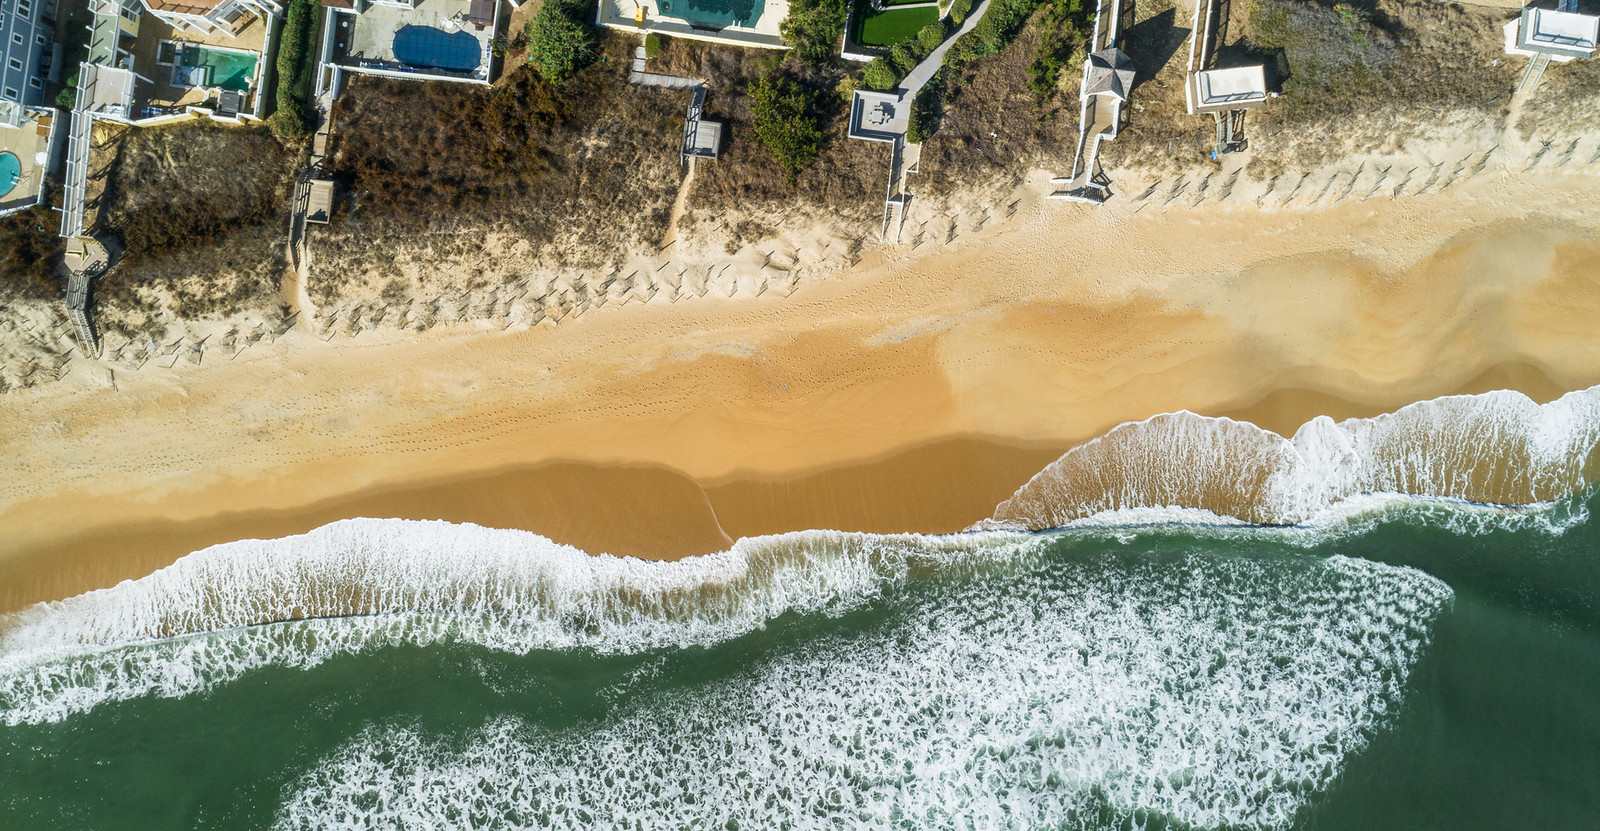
x: 1223, y: 629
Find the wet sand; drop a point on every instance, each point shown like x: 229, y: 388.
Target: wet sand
x: 914, y: 395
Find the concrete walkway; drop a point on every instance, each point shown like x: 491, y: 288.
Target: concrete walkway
x: 922, y: 73
x: 655, y: 79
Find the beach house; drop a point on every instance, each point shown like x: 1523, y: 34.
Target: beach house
x: 27, y: 52
x: 164, y: 58
x: 156, y: 61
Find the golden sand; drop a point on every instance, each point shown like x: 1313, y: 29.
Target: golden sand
x: 913, y: 395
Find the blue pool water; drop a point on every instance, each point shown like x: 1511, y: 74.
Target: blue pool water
x: 428, y: 48
x: 716, y: 13
x: 10, y: 170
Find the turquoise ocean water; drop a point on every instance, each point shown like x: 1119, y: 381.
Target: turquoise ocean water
x: 1386, y: 661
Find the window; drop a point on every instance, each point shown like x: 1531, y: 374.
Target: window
x: 34, y: 82
x: 16, y: 37
x: 12, y: 94
x: 15, y: 64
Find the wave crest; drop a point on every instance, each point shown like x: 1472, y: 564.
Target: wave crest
x: 398, y: 581
x: 1498, y: 447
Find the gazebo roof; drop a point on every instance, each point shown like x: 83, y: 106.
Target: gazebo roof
x: 1108, y: 72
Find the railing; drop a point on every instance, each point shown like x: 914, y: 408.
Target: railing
x: 78, y: 141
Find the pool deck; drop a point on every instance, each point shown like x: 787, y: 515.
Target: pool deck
x: 162, y: 93
x: 371, y: 37
x: 29, y: 143
x: 624, y: 14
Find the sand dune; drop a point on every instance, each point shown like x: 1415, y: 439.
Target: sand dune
x: 909, y: 395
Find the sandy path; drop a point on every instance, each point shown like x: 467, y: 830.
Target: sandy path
x: 679, y: 205
x: 1024, y: 340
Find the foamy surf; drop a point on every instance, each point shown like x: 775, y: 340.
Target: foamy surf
x: 1498, y: 448
x: 358, y: 585
x: 1090, y: 692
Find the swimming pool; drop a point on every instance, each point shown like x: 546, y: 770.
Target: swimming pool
x: 228, y: 70
x: 10, y: 172
x: 714, y: 12
x: 425, y: 47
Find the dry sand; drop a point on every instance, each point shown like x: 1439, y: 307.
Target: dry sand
x: 912, y: 394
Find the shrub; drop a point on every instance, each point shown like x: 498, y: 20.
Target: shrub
x: 28, y: 251
x: 879, y: 75
x: 1064, y: 30
x: 931, y: 36
x: 559, y: 42
x: 293, y: 117
x: 903, y: 57
x: 814, y: 28
x: 67, y: 98
x: 653, y: 43
x: 959, y: 11
x: 1336, y: 57
x: 291, y: 122
x: 999, y: 25
x: 925, y: 112
x: 783, y: 115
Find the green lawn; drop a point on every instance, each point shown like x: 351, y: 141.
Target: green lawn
x: 891, y: 26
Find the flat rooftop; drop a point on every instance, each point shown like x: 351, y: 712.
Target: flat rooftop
x: 1238, y: 87
x: 737, y: 22
x: 439, y: 38
x: 878, y: 116
x: 1556, y: 28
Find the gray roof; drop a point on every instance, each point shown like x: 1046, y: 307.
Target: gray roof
x: 1108, y: 72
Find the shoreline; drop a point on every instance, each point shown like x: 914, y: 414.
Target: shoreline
x: 655, y: 513
x: 913, y: 395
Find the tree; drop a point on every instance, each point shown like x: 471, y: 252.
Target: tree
x: 814, y: 29
x: 879, y: 75
x: 293, y: 119
x: 558, y: 45
x: 785, y: 122
x: 904, y: 57
x: 931, y: 36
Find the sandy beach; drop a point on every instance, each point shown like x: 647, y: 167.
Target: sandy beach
x: 907, y: 394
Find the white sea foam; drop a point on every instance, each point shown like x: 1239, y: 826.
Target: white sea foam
x: 419, y: 582
x: 1091, y: 693
x: 1498, y: 447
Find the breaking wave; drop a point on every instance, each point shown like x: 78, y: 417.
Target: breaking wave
x: 362, y: 584
x: 1498, y: 448
x: 359, y: 585
x: 1093, y: 691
